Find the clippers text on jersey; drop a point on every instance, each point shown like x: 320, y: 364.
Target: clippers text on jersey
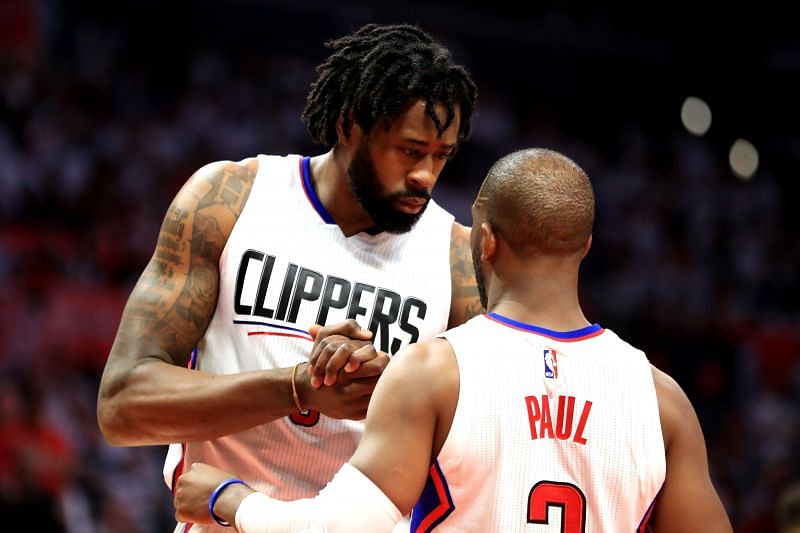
x: 384, y: 309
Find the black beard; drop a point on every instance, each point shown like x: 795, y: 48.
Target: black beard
x: 476, y: 265
x: 363, y: 179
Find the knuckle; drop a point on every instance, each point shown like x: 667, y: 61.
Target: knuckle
x: 346, y: 347
x: 330, y: 349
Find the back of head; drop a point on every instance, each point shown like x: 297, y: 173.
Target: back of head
x: 539, y: 201
x: 376, y: 71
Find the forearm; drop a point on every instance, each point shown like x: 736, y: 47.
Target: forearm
x: 350, y: 503
x: 159, y: 403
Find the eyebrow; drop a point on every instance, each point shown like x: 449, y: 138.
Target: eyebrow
x: 425, y: 144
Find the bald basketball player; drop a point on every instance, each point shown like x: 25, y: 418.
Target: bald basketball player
x: 528, y: 418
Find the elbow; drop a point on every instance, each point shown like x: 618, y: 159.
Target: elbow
x: 115, y: 424
x: 108, y: 419
x: 125, y: 410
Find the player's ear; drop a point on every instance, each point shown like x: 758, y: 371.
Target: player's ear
x: 343, y: 137
x: 488, y: 242
x: 353, y: 133
x: 586, y: 247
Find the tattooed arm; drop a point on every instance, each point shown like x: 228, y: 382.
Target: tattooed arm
x: 465, y: 302
x: 147, y: 395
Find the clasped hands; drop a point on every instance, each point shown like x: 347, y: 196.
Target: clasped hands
x: 342, y: 371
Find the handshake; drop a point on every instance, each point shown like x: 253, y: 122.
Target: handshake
x: 342, y: 371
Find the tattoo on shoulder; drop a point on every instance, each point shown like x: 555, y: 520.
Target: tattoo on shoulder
x: 175, y: 297
x: 473, y: 307
x: 464, y: 286
x: 230, y: 188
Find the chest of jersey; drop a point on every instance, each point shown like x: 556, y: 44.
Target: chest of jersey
x: 285, y: 268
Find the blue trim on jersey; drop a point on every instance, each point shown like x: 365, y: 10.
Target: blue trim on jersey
x: 193, y: 359
x: 317, y: 204
x: 312, y: 195
x: 588, y: 330
x: 431, y: 502
x: 256, y: 323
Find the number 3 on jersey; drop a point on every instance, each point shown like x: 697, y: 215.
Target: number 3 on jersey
x: 306, y: 418
x: 567, y: 496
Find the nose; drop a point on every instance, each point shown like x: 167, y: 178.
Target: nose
x: 422, y: 175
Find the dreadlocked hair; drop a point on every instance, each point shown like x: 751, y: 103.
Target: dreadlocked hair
x: 374, y: 72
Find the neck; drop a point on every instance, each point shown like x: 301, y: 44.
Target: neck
x: 330, y: 182
x: 544, y: 293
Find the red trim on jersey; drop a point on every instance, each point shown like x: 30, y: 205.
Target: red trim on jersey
x: 442, y: 508
x: 176, y: 474
x: 589, y: 336
x: 276, y: 334
x: 646, y: 518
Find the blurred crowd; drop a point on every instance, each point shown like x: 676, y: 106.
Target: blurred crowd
x: 697, y: 268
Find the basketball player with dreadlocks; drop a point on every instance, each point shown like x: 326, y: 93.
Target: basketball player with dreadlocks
x: 251, y: 254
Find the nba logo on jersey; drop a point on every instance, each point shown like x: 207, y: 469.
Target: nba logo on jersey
x: 550, y: 364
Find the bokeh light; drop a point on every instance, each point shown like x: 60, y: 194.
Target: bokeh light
x: 696, y: 115
x: 743, y: 159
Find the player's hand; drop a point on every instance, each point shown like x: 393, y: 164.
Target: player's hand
x: 347, y: 398
x: 343, y: 346
x: 194, y: 490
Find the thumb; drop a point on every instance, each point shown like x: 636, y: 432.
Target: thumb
x: 313, y: 330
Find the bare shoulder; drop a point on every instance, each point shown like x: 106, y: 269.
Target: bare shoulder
x: 668, y: 390
x: 688, y: 500
x: 459, y: 241
x: 465, y: 302
x: 222, y: 185
x: 423, y: 358
x: 460, y: 231
x: 673, y: 405
x: 427, y: 369
x: 199, y: 220
x: 172, y: 303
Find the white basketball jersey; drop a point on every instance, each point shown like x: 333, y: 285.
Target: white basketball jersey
x: 287, y: 266
x: 553, y: 432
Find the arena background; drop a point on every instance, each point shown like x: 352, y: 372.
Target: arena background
x: 107, y: 107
